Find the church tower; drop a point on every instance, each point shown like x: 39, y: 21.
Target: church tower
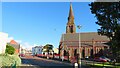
x: 70, y: 28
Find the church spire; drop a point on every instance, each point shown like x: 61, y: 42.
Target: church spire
x: 71, y: 12
x: 70, y: 28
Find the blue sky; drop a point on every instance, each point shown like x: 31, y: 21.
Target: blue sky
x: 44, y: 22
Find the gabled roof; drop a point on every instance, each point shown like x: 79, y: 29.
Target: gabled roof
x: 85, y: 38
x: 13, y: 42
x: 88, y: 36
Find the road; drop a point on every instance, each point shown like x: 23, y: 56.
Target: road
x: 37, y: 62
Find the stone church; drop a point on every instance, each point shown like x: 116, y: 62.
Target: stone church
x: 86, y: 44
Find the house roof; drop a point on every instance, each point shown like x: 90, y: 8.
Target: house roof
x: 83, y: 44
x: 85, y: 38
x: 14, y: 44
x: 38, y: 47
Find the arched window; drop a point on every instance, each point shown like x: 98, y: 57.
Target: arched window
x: 75, y: 52
x: 71, y: 29
x: 83, y: 53
x: 88, y: 52
x: 65, y: 53
x: 91, y: 53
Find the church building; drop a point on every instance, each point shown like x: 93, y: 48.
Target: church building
x: 86, y: 44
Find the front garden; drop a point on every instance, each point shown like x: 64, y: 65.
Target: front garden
x: 9, y: 60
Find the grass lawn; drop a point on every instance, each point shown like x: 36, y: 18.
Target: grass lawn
x: 106, y: 65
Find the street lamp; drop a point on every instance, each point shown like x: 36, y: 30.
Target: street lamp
x: 63, y: 49
x: 79, y: 57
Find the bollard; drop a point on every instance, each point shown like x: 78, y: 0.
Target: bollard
x: 62, y: 58
x: 76, y: 65
x: 79, y: 63
x: 47, y: 57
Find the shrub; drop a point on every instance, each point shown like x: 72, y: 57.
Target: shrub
x: 9, y: 49
x: 8, y: 60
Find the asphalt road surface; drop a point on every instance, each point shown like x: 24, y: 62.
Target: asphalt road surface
x: 37, y: 62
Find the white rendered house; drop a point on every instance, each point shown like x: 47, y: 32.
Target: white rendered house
x: 3, y: 42
x: 37, y: 50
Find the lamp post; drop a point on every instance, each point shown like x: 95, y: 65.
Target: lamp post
x: 79, y: 56
x: 63, y: 49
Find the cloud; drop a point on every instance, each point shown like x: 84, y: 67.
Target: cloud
x: 19, y: 41
x: 35, y: 45
x: 26, y: 45
x: 9, y: 39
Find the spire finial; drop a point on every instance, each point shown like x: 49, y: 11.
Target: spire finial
x: 70, y: 1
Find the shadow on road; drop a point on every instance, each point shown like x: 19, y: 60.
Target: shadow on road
x: 32, y: 63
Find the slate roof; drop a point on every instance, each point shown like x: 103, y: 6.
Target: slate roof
x: 73, y: 39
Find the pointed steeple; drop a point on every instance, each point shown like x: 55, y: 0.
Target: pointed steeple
x: 70, y: 28
x: 71, y: 12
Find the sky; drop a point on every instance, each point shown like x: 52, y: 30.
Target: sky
x: 40, y: 23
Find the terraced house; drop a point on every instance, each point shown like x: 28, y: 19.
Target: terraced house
x: 86, y: 44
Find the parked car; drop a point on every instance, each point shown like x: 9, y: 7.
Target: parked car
x: 105, y: 58
x: 102, y: 59
x: 22, y: 55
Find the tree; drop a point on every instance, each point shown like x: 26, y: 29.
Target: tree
x: 107, y: 0
x: 9, y: 49
x: 60, y: 47
x: 48, y: 48
x: 108, y: 18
